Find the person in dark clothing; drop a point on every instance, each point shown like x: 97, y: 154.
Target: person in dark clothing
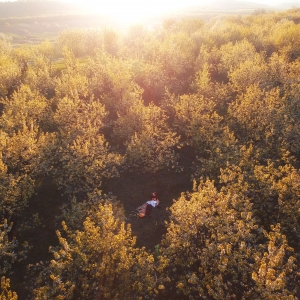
x: 148, y: 210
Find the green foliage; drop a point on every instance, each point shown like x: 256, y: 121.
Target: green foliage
x: 10, y: 252
x: 286, y: 38
x: 281, y: 183
x: 150, y: 77
x: 202, y: 127
x: 257, y: 113
x: 197, y: 118
x: 7, y: 248
x: 139, y: 43
x: 74, y: 117
x: 110, y: 41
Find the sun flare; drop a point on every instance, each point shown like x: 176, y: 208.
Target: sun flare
x: 130, y: 11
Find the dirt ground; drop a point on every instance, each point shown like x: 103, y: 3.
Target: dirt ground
x: 135, y: 189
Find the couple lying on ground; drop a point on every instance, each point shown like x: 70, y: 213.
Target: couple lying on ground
x: 146, y: 209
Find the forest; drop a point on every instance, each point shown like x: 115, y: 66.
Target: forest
x: 204, y: 112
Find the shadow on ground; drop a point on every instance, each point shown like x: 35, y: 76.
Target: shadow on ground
x: 135, y: 189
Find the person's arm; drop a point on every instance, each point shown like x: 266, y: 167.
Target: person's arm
x: 154, y: 203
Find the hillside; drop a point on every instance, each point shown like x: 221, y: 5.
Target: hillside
x: 36, y: 8
x: 32, y: 22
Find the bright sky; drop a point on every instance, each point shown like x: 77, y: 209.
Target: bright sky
x: 131, y: 11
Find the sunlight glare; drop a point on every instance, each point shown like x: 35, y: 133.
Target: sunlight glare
x: 130, y: 11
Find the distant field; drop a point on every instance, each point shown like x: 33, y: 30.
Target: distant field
x: 32, y: 22
x: 36, y: 29
x: 30, y: 30
x: 29, y: 9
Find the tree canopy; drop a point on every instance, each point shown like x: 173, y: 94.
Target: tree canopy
x: 214, y: 101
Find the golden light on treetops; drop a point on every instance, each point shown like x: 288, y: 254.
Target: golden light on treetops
x: 203, y: 109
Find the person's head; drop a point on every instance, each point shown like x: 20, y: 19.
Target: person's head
x: 154, y: 196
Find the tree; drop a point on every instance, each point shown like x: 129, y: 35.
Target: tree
x: 286, y: 38
x: 5, y: 46
x: 268, y: 118
x: 145, y: 133
x: 20, y: 162
x: 280, y: 191
x: 39, y: 73
x: 81, y: 157
x: 46, y: 48
x: 250, y: 72
x: 203, y: 128
x: 209, y: 245
x: 151, y: 78
x: 9, y: 74
x: 6, y: 293
x: 110, y: 41
x: 73, y: 40
x: 9, y: 253
x: 177, y: 55
x: 138, y: 43
x: 72, y: 82
x: 83, y: 163
x: 271, y: 186
x: 75, y: 212
x: 7, y: 248
x: 279, y: 70
x: 213, y: 249
x: 234, y: 54
x: 208, y: 61
x: 74, y: 117
x: 99, y: 262
x: 275, y: 271
x: 258, y: 116
x: 205, y: 86
x: 111, y: 79
x: 25, y: 107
